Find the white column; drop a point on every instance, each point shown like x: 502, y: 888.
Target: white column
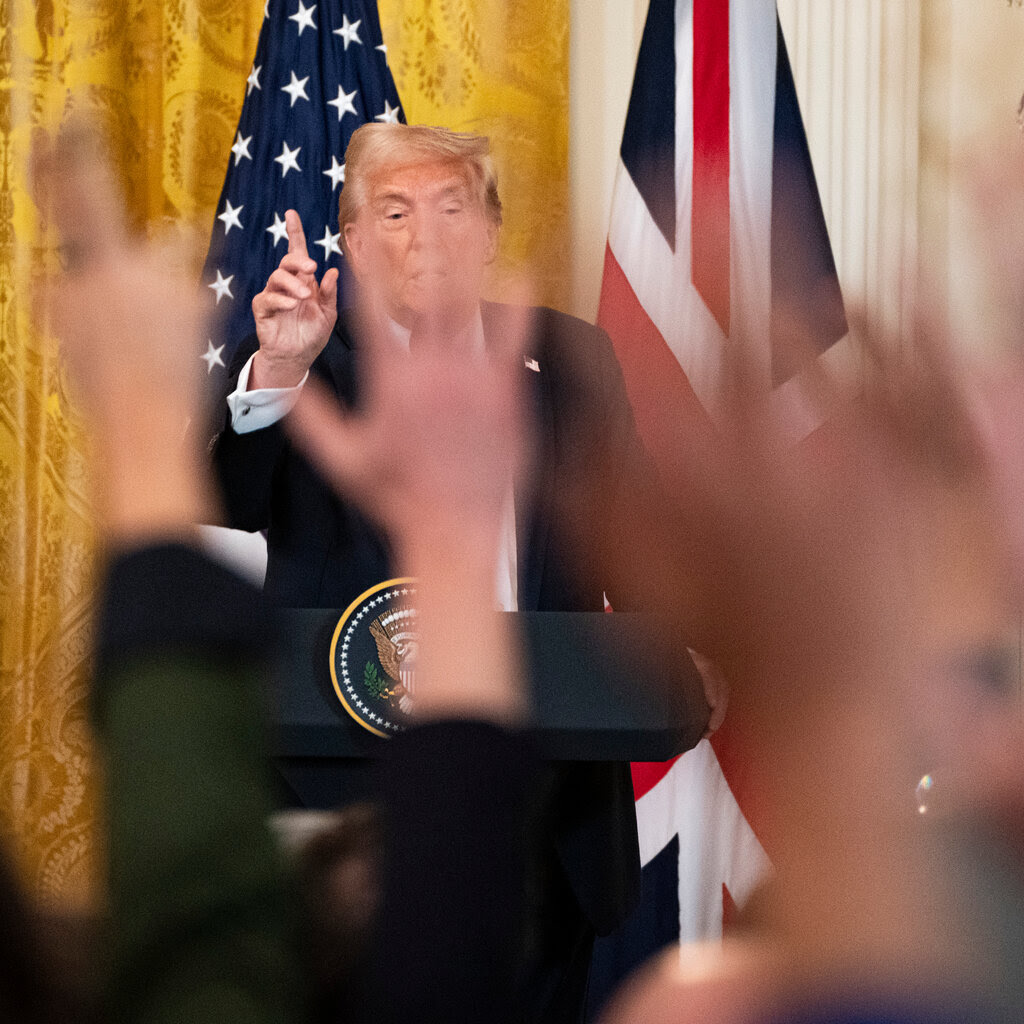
x: 857, y: 70
x: 604, y: 39
x: 985, y: 78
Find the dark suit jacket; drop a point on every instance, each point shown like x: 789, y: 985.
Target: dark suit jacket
x: 323, y: 553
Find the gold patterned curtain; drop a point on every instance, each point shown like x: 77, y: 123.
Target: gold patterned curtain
x: 500, y: 69
x: 167, y: 78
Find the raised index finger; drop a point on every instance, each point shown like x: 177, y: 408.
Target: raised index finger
x: 296, y: 236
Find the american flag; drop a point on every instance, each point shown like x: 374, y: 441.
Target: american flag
x: 717, y: 238
x: 320, y: 71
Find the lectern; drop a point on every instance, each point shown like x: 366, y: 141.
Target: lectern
x: 601, y: 691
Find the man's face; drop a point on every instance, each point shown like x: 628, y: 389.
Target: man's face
x: 421, y: 242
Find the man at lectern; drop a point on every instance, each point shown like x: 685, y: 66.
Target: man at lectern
x: 419, y: 220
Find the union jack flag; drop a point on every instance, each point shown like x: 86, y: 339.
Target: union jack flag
x: 717, y: 238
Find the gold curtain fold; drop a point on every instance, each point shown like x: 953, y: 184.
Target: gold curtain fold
x: 166, y: 79
x: 500, y: 69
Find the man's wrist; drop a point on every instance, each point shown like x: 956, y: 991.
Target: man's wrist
x: 268, y: 372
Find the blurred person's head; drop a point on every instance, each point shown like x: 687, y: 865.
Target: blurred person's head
x: 419, y: 217
x: 340, y: 893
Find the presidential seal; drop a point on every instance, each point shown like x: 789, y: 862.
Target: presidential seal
x: 373, y: 657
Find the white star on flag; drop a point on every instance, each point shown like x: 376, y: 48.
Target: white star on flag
x: 230, y: 216
x: 296, y: 88
x: 289, y: 159
x: 212, y: 356
x: 349, y: 31
x: 329, y: 243
x: 383, y: 48
x: 344, y: 103
x: 278, y: 229
x: 253, y: 81
x: 303, y: 17
x: 336, y: 172
x: 222, y: 286
x: 241, y: 148
x: 390, y: 114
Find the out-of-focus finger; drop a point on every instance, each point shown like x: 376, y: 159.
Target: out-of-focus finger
x: 378, y: 347
x: 825, y: 382
x: 296, y: 235
x: 334, y: 442
x: 914, y: 395
x: 180, y: 249
x: 997, y: 409
x: 74, y: 180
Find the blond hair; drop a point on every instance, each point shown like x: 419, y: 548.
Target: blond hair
x: 377, y: 145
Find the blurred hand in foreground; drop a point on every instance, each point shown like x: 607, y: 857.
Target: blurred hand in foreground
x: 848, y: 586
x: 438, y: 445
x: 129, y: 321
x: 432, y: 457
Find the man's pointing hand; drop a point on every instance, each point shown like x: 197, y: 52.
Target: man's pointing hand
x: 294, y: 315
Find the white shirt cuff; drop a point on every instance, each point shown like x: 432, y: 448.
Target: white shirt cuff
x: 254, y: 410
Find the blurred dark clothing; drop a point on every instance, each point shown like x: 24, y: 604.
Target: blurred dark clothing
x: 48, y: 971
x: 203, y: 920
x: 987, y: 856
x: 460, y: 803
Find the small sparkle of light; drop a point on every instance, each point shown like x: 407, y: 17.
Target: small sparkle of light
x: 924, y: 788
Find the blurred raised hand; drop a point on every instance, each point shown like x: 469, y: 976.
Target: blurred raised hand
x: 432, y: 456
x: 129, y: 320
x: 858, y: 589
x: 439, y: 441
